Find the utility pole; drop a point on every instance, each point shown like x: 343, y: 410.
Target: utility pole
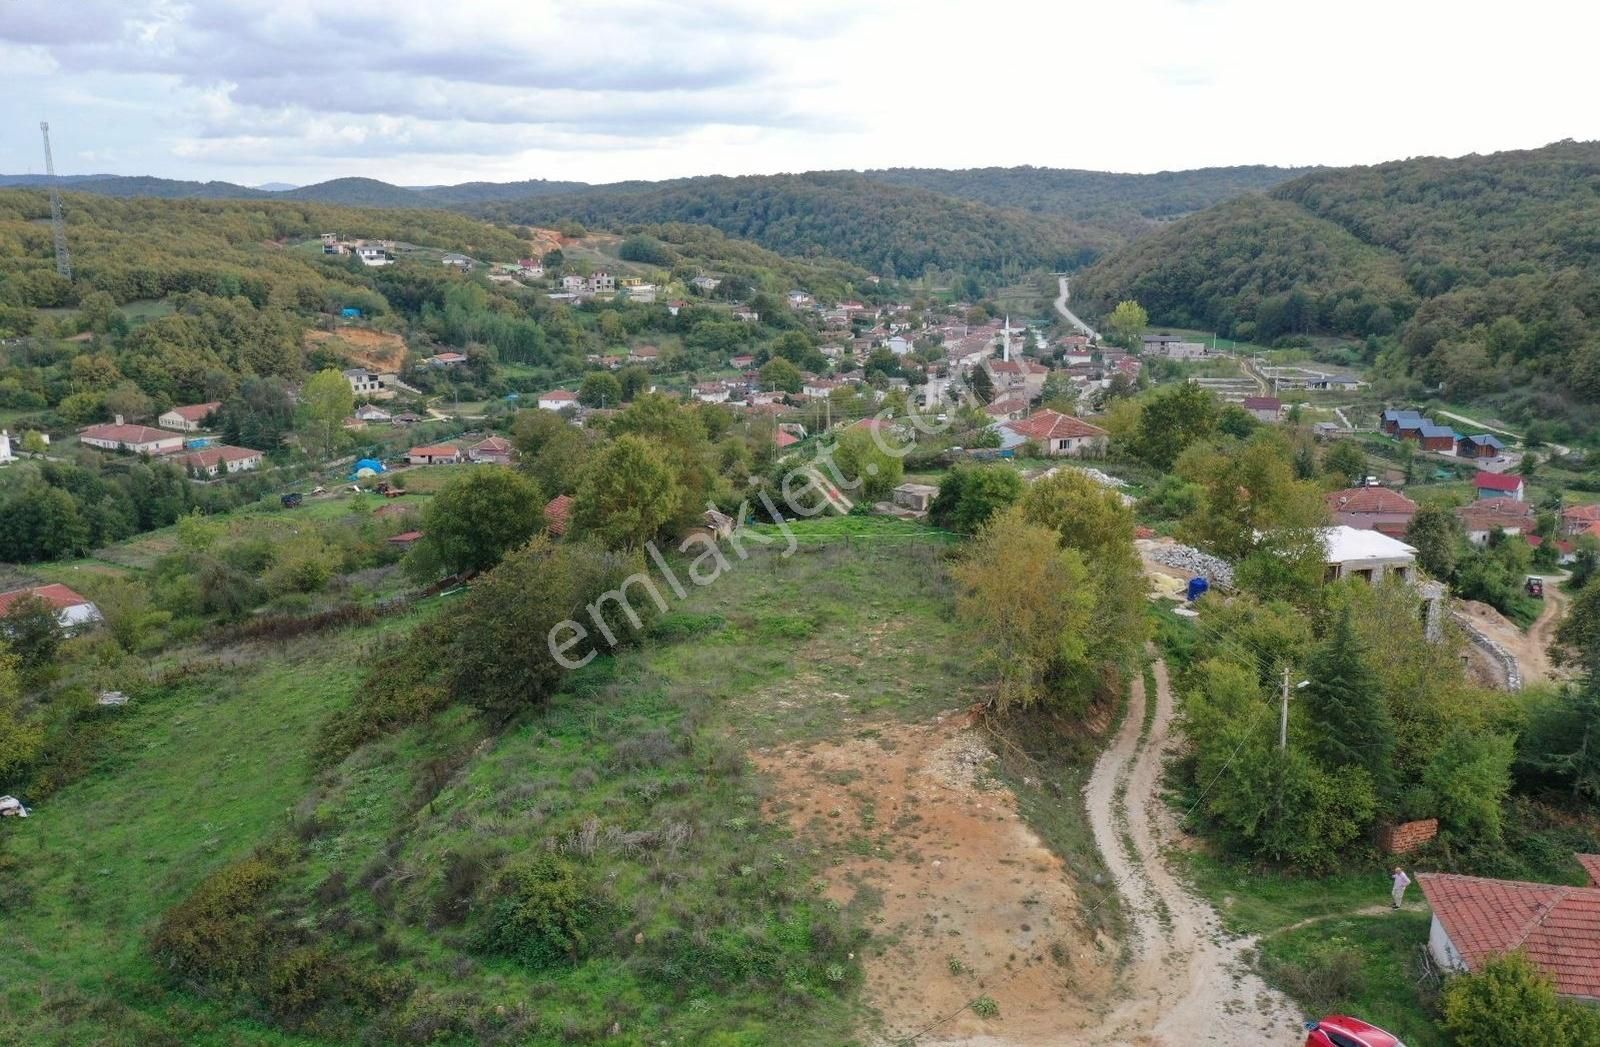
x: 58, y: 228
x: 1283, y: 714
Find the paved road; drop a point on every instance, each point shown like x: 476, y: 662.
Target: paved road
x: 1072, y: 317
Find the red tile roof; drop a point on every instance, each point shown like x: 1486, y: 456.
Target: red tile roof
x: 1008, y: 405
x: 1262, y: 403
x: 127, y: 434
x: 56, y: 595
x: 784, y: 439
x: 1584, y: 513
x: 1497, y: 481
x: 1557, y: 927
x: 557, y: 511
x: 209, y: 458
x: 559, y: 394
x: 433, y: 451
x: 1591, y: 865
x: 194, y: 412
x: 1053, y: 425
x: 493, y: 444
x: 405, y: 537
x: 1368, y: 500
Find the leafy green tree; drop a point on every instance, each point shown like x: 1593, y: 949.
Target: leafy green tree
x: 475, y: 520
x: 561, y: 463
x: 41, y: 523
x: 634, y: 380
x: 779, y: 373
x: 1578, y: 635
x: 1436, y: 534
x: 1248, y: 495
x: 860, y: 461
x: 1092, y: 520
x: 1029, y: 603
x: 1172, y: 420
x: 629, y: 495
x: 498, y: 648
x: 1469, y: 776
x: 1563, y: 738
x: 600, y: 389
x: 1344, y: 463
x: 1127, y: 323
x: 1345, y: 713
x: 1508, y: 1002
x: 21, y: 737
x: 32, y: 631
x: 326, y: 401
x: 259, y: 415
x: 982, y: 385
x: 970, y: 494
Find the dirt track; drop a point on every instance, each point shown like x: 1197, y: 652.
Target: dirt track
x: 1531, y: 648
x: 1188, y: 982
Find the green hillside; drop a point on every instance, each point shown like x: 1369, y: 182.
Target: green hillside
x: 1485, y: 270
x: 1130, y: 203
x: 892, y: 230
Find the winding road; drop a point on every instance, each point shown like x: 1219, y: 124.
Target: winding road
x: 1189, y: 981
x: 1072, y: 317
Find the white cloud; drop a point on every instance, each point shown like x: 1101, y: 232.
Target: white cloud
x: 253, y: 90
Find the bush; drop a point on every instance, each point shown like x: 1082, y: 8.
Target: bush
x: 1330, y: 976
x: 547, y: 913
x: 219, y: 934
x: 1509, y: 1003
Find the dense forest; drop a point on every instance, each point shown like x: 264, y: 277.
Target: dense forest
x: 1489, y: 265
x: 1127, y: 203
x: 891, y: 230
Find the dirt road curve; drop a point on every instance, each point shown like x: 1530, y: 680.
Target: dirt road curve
x: 1188, y: 983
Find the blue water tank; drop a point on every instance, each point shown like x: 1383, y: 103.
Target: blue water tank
x: 1197, y: 588
x: 350, y: 312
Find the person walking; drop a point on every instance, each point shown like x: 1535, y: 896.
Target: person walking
x: 1401, y: 882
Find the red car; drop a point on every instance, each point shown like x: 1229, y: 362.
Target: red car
x: 1337, y: 1030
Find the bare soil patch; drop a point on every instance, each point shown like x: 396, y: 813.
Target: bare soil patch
x: 1531, y: 648
x: 377, y: 350
x: 968, y: 900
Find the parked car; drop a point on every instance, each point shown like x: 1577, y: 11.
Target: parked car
x: 1338, y: 1030
x: 1535, y: 586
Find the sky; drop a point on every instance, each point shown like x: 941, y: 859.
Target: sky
x: 253, y: 91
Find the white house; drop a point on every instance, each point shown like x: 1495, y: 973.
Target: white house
x: 704, y: 284
x: 140, y: 439
x: 601, y: 282
x: 187, y: 419
x: 219, y: 460
x: 572, y: 284
x: 1370, y: 555
x: 74, y: 612
x: 373, y: 256
x: 1056, y: 433
x: 366, y: 385
x: 711, y: 393
x: 6, y: 456
x: 557, y: 399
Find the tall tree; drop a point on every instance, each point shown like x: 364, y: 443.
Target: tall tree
x: 1349, y: 722
x: 1171, y: 420
x: 1126, y: 323
x: 33, y: 631
x: 629, y: 496
x: 1436, y: 534
x: 475, y: 520
x: 326, y: 402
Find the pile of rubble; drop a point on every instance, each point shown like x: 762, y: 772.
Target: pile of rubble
x: 1187, y: 558
x: 1103, y: 479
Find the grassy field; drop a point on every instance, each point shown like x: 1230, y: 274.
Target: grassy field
x: 637, y: 769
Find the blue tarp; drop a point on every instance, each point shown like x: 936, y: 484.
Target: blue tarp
x: 350, y: 312
x: 366, y: 467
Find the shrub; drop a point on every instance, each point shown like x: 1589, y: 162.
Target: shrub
x: 219, y: 934
x: 1330, y: 975
x: 1509, y: 1003
x: 548, y: 912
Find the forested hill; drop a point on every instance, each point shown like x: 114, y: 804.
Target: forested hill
x: 1486, y: 267
x: 350, y: 192
x: 892, y: 230
x: 1129, y: 203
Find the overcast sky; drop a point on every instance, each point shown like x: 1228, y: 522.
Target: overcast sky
x: 423, y: 93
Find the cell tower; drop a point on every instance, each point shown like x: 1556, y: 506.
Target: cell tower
x: 58, y: 228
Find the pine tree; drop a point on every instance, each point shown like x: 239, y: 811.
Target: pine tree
x: 1350, y: 723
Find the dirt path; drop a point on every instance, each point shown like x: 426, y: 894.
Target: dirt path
x: 1531, y: 648
x: 1188, y: 982
x: 967, y: 900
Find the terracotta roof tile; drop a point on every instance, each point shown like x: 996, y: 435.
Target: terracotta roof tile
x: 1557, y: 927
x: 1368, y: 500
x: 557, y: 513
x: 56, y: 595
x: 1053, y: 425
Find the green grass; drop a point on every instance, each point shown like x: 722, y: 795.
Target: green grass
x: 1297, y: 917
x: 1386, y: 992
x: 146, y: 309
x: 720, y: 932
x: 189, y: 777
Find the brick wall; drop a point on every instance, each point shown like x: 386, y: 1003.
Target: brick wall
x: 1407, y: 836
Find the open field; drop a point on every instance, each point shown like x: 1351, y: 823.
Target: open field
x: 847, y: 645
